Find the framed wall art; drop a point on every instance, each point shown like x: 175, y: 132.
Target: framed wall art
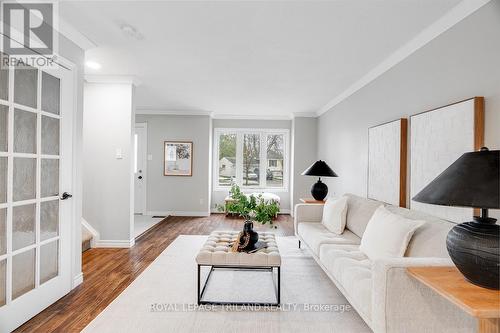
x: 438, y: 138
x: 178, y: 158
x: 387, y: 162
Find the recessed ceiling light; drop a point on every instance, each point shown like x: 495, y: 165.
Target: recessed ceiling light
x: 130, y: 31
x: 93, y: 65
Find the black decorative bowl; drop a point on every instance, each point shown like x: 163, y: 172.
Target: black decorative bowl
x: 474, y: 247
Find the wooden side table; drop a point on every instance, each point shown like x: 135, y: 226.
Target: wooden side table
x: 482, y: 303
x: 312, y: 201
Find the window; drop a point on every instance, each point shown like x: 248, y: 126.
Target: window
x: 275, y: 154
x: 251, y: 159
x: 227, y: 158
x: 254, y: 158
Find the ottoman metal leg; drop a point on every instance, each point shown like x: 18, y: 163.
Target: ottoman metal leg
x: 198, y: 286
x: 279, y: 285
x: 201, y: 291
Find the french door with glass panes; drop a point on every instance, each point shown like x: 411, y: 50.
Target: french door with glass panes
x: 36, y: 129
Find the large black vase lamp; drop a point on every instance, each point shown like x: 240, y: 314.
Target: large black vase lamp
x: 319, y: 169
x: 471, y: 181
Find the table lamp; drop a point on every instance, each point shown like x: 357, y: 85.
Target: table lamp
x: 319, y: 169
x: 471, y: 181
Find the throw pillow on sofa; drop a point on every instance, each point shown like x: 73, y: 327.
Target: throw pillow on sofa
x: 335, y: 215
x: 387, y: 234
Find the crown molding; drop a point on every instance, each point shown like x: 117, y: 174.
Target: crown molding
x: 304, y: 115
x: 121, y: 79
x: 166, y: 112
x: 158, y: 111
x: 250, y: 116
x: 68, y: 31
x: 451, y: 18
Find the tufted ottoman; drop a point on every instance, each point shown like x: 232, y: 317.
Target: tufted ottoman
x: 216, y: 253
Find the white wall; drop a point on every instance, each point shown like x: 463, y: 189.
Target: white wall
x: 219, y: 195
x: 178, y: 195
x: 107, y: 181
x: 461, y: 63
x: 303, y: 155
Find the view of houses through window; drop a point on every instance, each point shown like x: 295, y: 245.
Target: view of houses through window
x: 253, y: 159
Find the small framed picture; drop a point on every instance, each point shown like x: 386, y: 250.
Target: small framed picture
x: 178, y: 158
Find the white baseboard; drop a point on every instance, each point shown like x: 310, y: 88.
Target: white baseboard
x: 200, y: 214
x: 77, y: 280
x: 177, y: 213
x: 282, y: 211
x: 112, y: 243
x: 156, y: 213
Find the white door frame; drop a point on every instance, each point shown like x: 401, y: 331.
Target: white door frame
x: 77, y: 178
x: 71, y: 276
x: 144, y: 158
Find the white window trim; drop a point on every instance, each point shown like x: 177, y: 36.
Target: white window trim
x: 263, y: 157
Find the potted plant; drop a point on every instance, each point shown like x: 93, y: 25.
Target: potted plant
x: 253, y: 209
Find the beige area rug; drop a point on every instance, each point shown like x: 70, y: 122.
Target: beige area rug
x: 163, y: 297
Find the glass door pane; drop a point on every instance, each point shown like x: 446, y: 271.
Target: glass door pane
x: 30, y: 141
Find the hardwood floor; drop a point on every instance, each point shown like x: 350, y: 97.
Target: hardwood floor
x: 107, y: 272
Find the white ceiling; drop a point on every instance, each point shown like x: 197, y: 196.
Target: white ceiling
x: 254, y: 58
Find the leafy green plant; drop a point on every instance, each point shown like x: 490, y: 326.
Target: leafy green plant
x: 251, y: 207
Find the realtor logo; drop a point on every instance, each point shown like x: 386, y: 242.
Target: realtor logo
x: 29, y: 31
x: 28, y: 28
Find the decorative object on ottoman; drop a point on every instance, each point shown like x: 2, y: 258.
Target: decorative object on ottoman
x: 471, y: 181
x: 319, y: 169
x: 247, y: 239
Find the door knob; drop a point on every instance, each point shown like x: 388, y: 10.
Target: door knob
x: 65, y: 196
x: 140, y: 177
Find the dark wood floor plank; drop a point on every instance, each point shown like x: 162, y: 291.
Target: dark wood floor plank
x: 107, y: 272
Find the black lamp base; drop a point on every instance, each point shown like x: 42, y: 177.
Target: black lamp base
x: 319, y: 190
x: 474, y: 249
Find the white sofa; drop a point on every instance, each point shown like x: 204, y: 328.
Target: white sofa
x: 380, y: 290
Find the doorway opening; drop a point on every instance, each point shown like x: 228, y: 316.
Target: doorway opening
x: 143, y: 220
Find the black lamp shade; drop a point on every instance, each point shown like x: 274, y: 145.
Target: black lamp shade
x: 471, y: 181
x: 319, y: 169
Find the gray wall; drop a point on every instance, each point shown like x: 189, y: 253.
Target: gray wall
x: 107, y: 180
x: 218, y: 196
x: 178, y: 195
x: 304, y: 154
x: 461, y: 63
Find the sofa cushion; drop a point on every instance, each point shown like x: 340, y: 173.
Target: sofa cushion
x: 359, y: 212
x: 334, y: 215
x: 315, y: 234
x: 352, y: 269
x: 428, y: 240
x: 387, y: 234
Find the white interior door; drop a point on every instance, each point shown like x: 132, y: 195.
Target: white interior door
x: 36, y: 152
x: 140, y: 166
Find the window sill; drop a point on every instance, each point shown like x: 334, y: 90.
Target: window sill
x: 246, y: 189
